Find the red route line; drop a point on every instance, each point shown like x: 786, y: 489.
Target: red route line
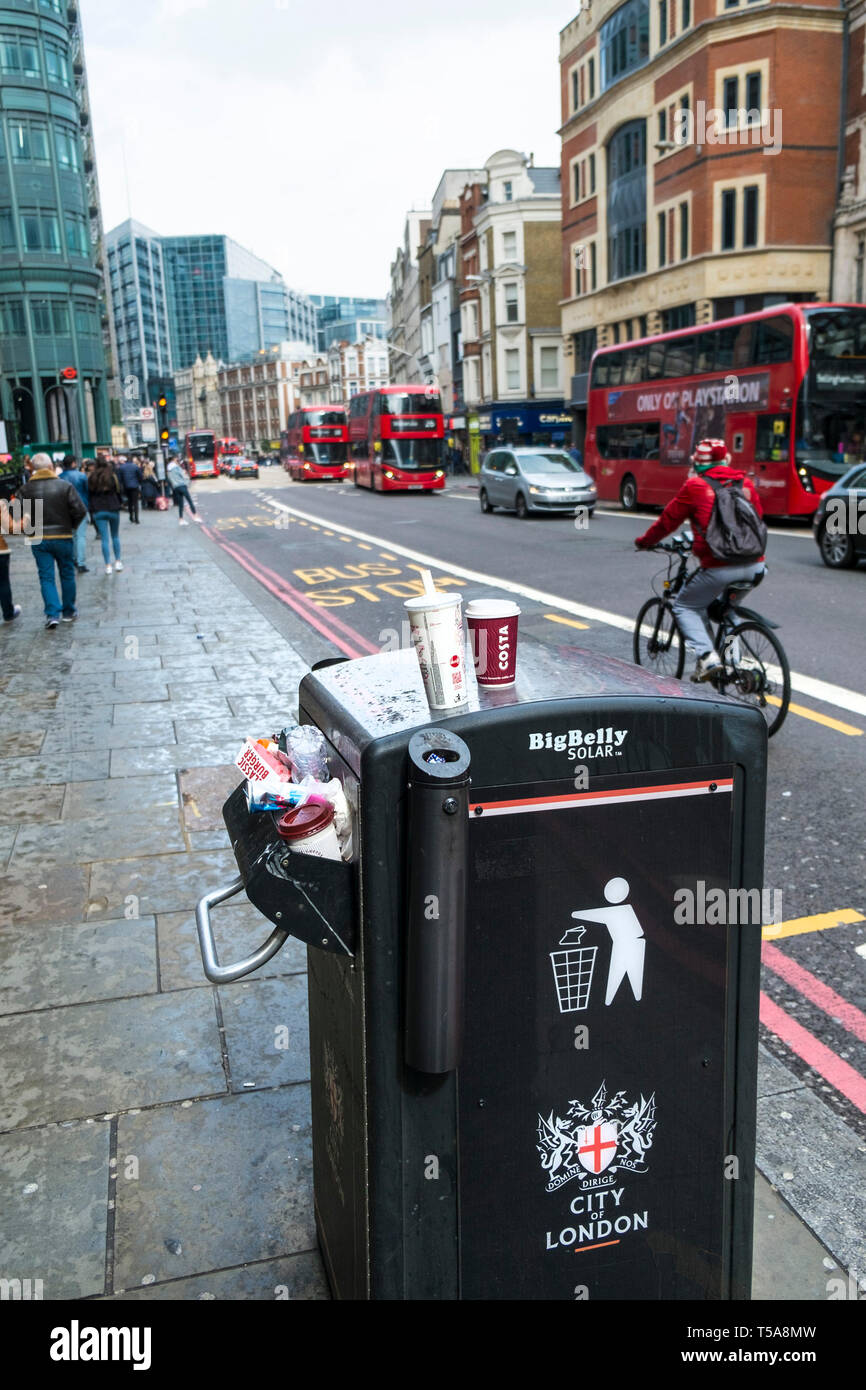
x: 293, y: 598
x: 814, y: 1053
x: 724, y: 785
x: 839, y: 1010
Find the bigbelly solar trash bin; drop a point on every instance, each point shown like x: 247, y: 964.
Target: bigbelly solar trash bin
x: 533, y: 1048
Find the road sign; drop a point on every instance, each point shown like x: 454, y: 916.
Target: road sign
x: 69, y: 373
x: 146, y: 412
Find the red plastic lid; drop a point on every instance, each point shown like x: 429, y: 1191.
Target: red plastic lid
x: 305, y: 820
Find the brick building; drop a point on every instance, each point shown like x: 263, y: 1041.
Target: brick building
x: 690, y: 131
x: 509, y: 304
x: 849, y: 245
x: 355, y: 367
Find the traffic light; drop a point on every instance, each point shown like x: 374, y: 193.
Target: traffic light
x: 162, y: 405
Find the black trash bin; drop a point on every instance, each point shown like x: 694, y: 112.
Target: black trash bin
x: 533, y: 1017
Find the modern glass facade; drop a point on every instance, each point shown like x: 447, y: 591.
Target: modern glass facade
x: 136, y: 278
x: 52, y: 314
x: 348, y: 319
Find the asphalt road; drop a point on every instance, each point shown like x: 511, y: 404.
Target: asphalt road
x: 348, y: 589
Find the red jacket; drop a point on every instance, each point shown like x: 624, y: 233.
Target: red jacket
x: 694, y: 502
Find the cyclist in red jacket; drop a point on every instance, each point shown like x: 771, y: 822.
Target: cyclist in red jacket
x: 694, y: 503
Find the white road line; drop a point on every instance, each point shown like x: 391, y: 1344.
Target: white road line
x: 824, y: 691
x: 645, y: 521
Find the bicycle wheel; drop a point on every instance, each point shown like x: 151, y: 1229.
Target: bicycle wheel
x: 658, y: 643
x: 756, y: 670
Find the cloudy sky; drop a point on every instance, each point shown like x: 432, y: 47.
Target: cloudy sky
x: 305, y: 129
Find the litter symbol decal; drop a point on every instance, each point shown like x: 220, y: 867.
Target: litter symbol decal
x: 572, y: 971
x: 606, y: 1137
x: 627, y: 941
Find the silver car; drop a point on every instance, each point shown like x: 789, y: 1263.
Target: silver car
x: 534, y: 480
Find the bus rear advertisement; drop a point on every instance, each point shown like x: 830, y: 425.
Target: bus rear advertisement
x: 784, y: 388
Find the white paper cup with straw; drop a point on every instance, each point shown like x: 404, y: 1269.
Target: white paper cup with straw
x: 436, y: 622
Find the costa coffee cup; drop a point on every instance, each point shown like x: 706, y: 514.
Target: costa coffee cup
x: 310, y: 829
x: 437, y: 635
x: 492, y: 624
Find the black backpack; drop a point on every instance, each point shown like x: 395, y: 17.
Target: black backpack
x: 734, y: 531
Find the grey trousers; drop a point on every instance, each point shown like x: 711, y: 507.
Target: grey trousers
x: 693, y: 599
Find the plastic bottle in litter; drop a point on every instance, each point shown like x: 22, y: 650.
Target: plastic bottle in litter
x: 307, y: 750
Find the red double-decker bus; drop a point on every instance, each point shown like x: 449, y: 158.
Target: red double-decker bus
x: 785, y: 388
x: 228, y: 448
x: 200, y: 452
x: 395, y: 439
x: 313, y: 444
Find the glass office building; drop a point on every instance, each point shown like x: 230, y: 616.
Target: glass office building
x: 136, y: 277
x: 52, y: 311
x: 348, y: 320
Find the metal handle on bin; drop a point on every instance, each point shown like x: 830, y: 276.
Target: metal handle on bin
x: 224, y: 974
x: 436, y: 918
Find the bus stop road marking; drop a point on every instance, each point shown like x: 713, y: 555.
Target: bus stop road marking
x: 824, y: 691
x: 819, y: 921
x: 569, y: 622
x: 834, y: 1006
x: 815, y: 1054
x: 837, y: 724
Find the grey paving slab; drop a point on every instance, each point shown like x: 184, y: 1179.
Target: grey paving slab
x: 161, y: 883
x: 789, y: 1262
x: 238, y: 931
x: 190, y: 662
x: 140, y: 685
x: 298, y: 1277
x: 91, y: 1058
x: 100, y: 837
x: 205, y: 752
x: 244, y: 682
x: 204, y: 791
x: 194, y: 730
x: 62, y: 767
x: 90, y: 665
x: 193, y: 1164
x: 267, y: 1031
x: 271, y: 714
x: 826, y: 1183
x: 37, y: 893
x: 21, y: 810
x: 211, y: 700
x: 132, y: 735
x: 129, y: 797
x: 7, y: 840
x: 21, y: 742
x: 73, y: 963
x: 53, y: 1195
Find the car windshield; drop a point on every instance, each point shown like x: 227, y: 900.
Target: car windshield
x: 548, y: 463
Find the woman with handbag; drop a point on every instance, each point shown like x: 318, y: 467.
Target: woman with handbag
x: 106, y: 500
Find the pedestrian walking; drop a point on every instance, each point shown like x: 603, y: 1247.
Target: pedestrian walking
x: 150, y: 488
x: 71, y: 473
x: 180, y: 489
x: 8, y: 527
x: 54, y: 512
x: 130, y: 477
x: 106, y: 500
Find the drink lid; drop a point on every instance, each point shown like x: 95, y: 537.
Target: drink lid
x: 491, y: 608
x: 423, y: 604
x: 304, y: 820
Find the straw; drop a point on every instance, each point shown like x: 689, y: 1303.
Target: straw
x: 429, y: 586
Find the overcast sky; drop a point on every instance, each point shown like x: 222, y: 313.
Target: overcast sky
x: 305, y: 129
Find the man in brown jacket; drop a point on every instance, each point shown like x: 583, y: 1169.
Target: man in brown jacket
x: 52, y: 512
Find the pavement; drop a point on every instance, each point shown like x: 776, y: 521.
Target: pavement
x: 155, y: 1130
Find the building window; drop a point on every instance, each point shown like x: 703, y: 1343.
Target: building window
x: 592, y: 173
x: 19, y: 55
x: 29, y: 141
x: 509, y: 246
x: 624, y: 40
x: 729, y: 219
x: 730, y: 100
x: 507, y: 190
x: 66, y: 146
x: 77, y: 241
x: 511, y: 305
x: 684, y: 231
x: 39, y: 232
x: 575, y: 90
x: 576, y: 171
x: 861, y: 256
x: 12, y: 317
x: 626, y: 201
x: 753, y: 97
x: 593, y: 265
x: 663, y: 21
x: 663, y: 126
x: 662, y: 240
x: 512, y: 369
x: 50, y: 319
x: 549, y: 368
x: 750, y: 215
x: 56, y: 66
x: 687, y: 13
x: 591, y: 71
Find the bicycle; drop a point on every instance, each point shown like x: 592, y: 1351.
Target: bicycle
x: 754, y: 665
